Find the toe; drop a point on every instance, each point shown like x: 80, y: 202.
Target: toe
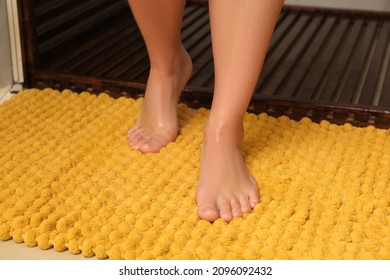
x: 136, y: 141
x: 150, y: 147
x: 130, y: 132
x: 132, y: 135
x: 254, y: 198
x: 225, y: 211
x: 245, y: 205
x: 130, y: 138
x: 236, y: 209
x: 208, y: 213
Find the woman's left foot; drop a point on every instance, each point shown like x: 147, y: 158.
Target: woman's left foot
x: 157, y: 124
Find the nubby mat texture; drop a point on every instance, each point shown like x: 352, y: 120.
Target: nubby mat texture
x: 69, y: 180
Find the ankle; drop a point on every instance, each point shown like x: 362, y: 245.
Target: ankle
x: 225, y: 130
x: 170, y: 64
x: 225, y: 121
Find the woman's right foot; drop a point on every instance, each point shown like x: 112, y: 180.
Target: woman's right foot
x: 157, y: 124
x: 226, y: 189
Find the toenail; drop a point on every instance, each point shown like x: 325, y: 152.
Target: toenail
x: 226, y: 217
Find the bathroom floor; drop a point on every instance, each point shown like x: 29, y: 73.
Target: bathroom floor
x: 322, y: 64
x: 377, y: 5
x: 11, y: 251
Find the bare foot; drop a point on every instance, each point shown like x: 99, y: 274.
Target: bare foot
x: 226, y: 189
x: 157, y: 124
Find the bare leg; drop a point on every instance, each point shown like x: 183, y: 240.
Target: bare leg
x: 241, y: 32
x: 171, y: 67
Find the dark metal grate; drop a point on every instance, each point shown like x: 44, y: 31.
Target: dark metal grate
x: 325, y: 64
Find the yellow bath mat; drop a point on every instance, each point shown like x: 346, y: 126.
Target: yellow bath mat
x: 68, y: 180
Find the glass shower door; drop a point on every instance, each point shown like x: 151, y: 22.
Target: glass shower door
x: 11, y: 70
